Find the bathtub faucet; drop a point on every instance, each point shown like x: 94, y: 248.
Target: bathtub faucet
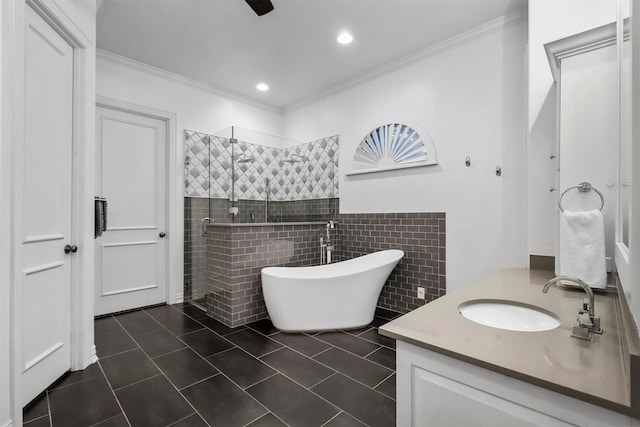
x: 327, y: 248
x: 323, y: 247
x: 325, y: 251
x: 330, y: 225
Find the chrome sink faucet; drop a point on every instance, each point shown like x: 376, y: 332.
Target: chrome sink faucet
x: 587, y: 321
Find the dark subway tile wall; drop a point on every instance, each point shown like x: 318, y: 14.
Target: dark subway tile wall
x: 249, y: 211
x: 195, y: 248
x: 422, y: 237
x: 253, y: 211
x: 304, y: 210
x: 224, y: 268
x: 236, y: 255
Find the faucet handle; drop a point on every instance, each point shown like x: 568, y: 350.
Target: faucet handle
x: 595, y: 328
x: 579, y: 331
x: 585, y: 306
x: 585, y: 320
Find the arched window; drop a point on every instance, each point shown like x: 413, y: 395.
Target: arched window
x: 393, y: 146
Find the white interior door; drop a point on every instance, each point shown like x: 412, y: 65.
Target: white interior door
x: 44, y: 207
x: 131, y: 268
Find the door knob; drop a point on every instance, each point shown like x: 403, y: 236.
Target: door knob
x: 68, y: 249
x: 162, y: 234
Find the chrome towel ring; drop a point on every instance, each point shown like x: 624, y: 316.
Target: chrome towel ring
x: 583, y: 187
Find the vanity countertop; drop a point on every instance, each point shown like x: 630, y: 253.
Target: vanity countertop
x: 592, y: 371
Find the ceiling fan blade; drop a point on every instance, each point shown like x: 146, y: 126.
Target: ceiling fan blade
x: 261, y: 7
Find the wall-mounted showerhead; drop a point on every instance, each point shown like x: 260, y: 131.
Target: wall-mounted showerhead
x: 300, y: 158
x: 246, y: 160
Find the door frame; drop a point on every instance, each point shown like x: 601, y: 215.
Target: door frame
x: 174, y: 185
x: 78, y: 29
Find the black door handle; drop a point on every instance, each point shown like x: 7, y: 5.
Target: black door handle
x: 68, y: 249
x: 162, y: 234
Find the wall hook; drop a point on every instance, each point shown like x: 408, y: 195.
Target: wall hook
x: 467, y: 161
x: 498, y: 171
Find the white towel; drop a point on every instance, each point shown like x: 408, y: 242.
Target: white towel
x: 581, y: 251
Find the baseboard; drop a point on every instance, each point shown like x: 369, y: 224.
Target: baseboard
x: 542, y: 262
x: 94, y: 354
x: 179, y: 297
x: 546, y: 262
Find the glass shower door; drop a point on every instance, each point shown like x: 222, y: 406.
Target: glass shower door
x: 196, y: 213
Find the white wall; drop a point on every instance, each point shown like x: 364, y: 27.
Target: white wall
x: 196, y: 108
x: 470, y: 98
x: 550, y: 20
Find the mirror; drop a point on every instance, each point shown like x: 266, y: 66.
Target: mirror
x: 620, y: 112
x: 592, y: 70
x: 625, y: 125
x: 586, y: 71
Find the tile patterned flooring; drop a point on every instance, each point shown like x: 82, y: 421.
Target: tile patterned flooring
x: 174, y: 366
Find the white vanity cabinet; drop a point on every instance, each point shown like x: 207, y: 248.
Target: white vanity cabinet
x: 437, y: 390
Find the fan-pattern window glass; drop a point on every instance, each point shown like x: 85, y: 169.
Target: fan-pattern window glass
x: 393, y: 146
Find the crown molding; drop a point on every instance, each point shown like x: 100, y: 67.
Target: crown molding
x: 586, y: 41
x: 457, y: 40
x: 159, y: 72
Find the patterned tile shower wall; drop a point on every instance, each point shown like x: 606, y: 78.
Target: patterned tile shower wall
x: 302, y: 172
x: 236, y: 256
x: 308, y: 171
x: 204, y: 153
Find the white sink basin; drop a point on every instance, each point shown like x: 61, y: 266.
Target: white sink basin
x: 508, y: 315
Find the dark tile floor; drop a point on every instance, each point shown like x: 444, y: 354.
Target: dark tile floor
x: 173, y: 366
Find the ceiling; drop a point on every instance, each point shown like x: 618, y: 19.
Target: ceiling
x: 293, y: 49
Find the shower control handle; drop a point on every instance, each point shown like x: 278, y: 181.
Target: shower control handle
x: 162, y: 234
x: 68, y: 249
x: 204, y: 226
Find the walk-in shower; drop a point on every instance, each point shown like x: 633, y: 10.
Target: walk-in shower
x: 239, y: 176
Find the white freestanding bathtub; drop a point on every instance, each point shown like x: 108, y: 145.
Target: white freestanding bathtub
x: 342, y: 295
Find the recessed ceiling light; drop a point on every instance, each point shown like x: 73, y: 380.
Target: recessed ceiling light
x: 345, y: 38
x: 262, y: 87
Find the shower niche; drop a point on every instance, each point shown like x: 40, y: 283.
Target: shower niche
x: 237, y: 181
